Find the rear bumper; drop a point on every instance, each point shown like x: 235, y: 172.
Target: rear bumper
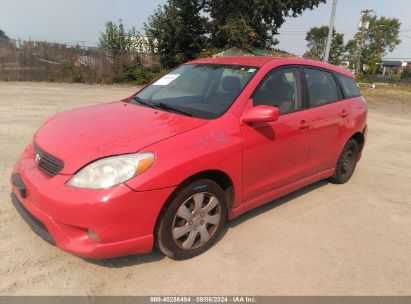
x: 364, y: 133
x: 123, y: 219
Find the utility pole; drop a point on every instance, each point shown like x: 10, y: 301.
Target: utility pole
x: 363, y: 26
x: 330, y: 32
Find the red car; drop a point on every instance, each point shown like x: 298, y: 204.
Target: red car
x: 201, y: 145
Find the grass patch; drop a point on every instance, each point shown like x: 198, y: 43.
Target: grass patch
x: 390, y: 93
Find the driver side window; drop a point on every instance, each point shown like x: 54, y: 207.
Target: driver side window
x: 280, y: 89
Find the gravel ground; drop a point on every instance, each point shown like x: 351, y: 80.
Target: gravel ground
x: 352, y: 239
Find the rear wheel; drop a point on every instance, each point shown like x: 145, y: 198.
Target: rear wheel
x: 192, y: 221
x: 346, y: 163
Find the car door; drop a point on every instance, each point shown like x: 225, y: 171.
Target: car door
x: 275, y: 153
x: 326, y: 114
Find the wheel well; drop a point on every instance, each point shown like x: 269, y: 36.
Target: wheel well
x: 359, y: 137
x: 220, y: 178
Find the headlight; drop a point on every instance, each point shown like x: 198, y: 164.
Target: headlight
x: 110, y: 171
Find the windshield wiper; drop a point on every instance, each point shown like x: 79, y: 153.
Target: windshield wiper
x: 164, y: 106
x: 142, y: 102
x: 160, y: 105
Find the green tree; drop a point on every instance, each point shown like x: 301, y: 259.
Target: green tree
x: 406, y: 73
x: 177, y: 31
x: 3, y: 35
x: 316, y: 39
x: 260, y: 20
x: 116, y: 39
x: 350, y: 52
x: 381, y: 38
x: 238, y: 34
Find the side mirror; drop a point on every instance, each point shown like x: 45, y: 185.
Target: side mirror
x: 261, y: 113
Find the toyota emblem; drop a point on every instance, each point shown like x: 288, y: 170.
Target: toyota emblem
x: 38, y: 158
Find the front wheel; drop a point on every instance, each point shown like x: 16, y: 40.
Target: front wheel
x: 193, y: 220
x: 346, y: 163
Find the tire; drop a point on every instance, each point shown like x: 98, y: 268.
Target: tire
x: 192, y: 221
x: 346, y: 163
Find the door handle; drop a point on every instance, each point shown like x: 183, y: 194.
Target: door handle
x: 344, y: 113
x: 303, y: 125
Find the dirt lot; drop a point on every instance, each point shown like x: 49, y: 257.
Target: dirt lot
x: 352, y: 239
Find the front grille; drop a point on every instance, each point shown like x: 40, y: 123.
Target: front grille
x: 48, y: 163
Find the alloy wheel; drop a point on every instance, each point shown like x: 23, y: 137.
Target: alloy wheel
x: 196, y: 220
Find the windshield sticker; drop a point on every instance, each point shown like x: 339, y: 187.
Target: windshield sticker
x: 167, y: 79
x: 251, y: 70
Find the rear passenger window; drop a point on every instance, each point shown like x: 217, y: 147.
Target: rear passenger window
x: 322, y: 88
x: 280, y: 89
x: 349, y: 86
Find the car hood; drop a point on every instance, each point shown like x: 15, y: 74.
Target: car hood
x: 80, y: 136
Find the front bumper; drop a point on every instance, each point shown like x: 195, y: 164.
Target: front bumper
x: 123, y: 219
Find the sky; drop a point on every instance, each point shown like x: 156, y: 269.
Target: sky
x: 82, y: 20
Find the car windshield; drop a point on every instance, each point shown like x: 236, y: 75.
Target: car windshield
x: 198, y: 90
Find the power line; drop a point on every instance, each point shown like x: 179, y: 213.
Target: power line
x: 303, y: 33
x: 397, y: 58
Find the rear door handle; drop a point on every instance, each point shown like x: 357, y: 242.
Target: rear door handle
x: 344, y: 113
x: 303, y: 125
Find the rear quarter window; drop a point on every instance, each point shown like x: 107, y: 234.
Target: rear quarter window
x: 349, y: 86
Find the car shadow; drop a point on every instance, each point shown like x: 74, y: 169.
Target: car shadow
x: 156, y: 255
x: 130, y: 260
